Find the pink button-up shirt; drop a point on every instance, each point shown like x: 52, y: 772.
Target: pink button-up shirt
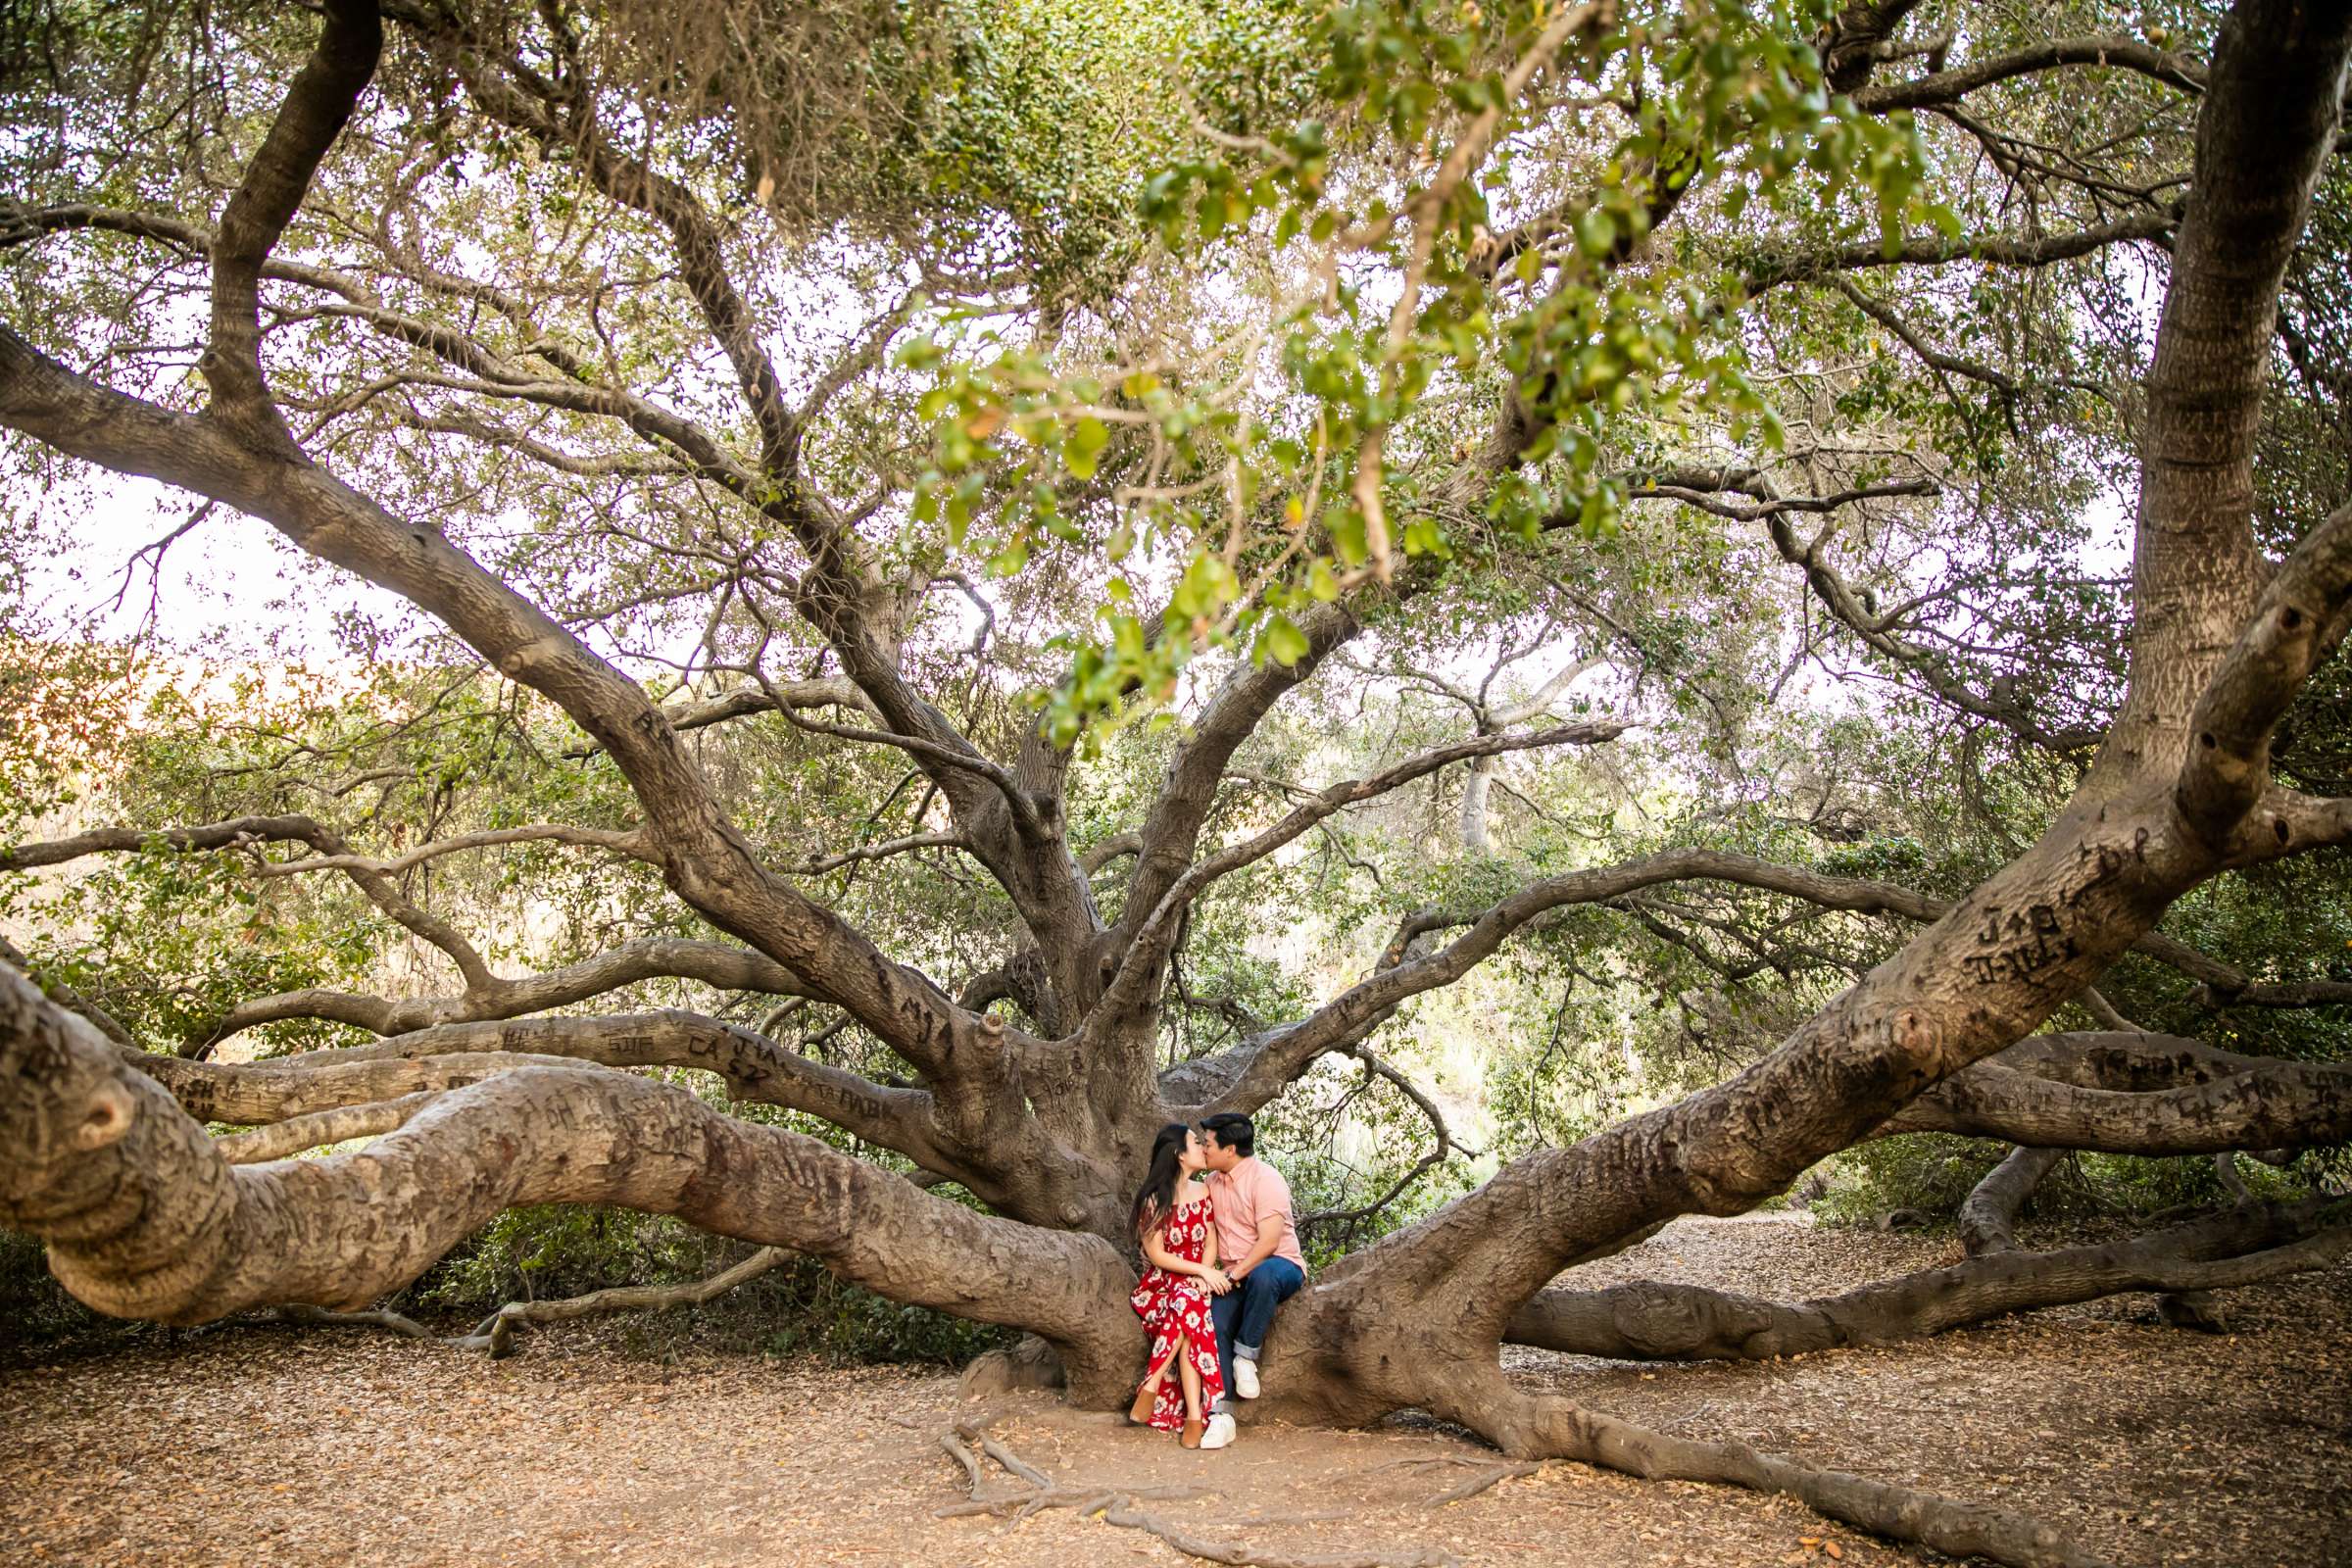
x: 1250, y: 1198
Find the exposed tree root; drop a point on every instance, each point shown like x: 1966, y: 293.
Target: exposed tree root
x: 1660, y: 1322
x: 1116, y: 1506
x: 1490, y: 1473
x: 1531, y: 1426
x: 1487, y: 1476
x: 954, y: 1444
x: 2193, y: 1309
x: 1192, y: 1545
x: 408, y: 1328
x: 1029, y: 1362
x: 496, y: 1333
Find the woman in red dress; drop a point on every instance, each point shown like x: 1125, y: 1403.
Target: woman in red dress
x: 1171, y: 1218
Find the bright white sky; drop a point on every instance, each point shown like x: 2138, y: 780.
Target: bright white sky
x: 236, y: 588
x: 232, y: 579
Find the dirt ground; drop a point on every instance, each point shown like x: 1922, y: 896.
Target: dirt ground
x: 271, y: 1445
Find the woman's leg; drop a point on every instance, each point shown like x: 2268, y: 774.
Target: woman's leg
x: 1191, y: 1374
x: 1147, y: 1394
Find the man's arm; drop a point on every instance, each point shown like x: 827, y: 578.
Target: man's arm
x: 1257, y: 1255
x: 1273, y: 1217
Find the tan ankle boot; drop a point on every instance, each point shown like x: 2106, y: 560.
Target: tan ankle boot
x: 1192, y: 1430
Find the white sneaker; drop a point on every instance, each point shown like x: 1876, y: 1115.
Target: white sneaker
x: 1219, y: 1432
x: 1245, y: 1377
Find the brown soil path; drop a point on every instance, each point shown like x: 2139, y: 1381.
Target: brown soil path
x: 276, y: 1445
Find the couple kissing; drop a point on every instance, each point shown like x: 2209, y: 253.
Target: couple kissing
x: 1220, y: 1255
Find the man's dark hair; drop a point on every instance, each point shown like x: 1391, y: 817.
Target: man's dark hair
x: 1234, y: 1131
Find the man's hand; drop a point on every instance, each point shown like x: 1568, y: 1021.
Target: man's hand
x: 1216, y: 1279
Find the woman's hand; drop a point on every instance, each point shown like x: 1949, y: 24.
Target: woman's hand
x: 1215, y: 1279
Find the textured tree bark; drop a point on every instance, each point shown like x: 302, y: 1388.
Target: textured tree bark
x: 2289, y: 1104
x: 318, y: 1128
x: 1476, y: 782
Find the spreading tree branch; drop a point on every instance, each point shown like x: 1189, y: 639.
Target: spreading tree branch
x: 247, y: 832
x: 316, y: 106
x: 1139, y: 971
x: 1950, y: 85
x: 712, y: 963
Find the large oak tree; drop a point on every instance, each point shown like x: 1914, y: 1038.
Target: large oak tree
x: 1355, y: 327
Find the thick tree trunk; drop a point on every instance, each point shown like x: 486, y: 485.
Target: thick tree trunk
x: 2267, y: 122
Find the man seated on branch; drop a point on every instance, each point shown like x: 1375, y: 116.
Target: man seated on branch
x: 1255, y: 1229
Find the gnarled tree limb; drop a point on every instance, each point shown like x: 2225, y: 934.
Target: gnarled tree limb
x: 145, y: 1217
x: 1657, y: 1321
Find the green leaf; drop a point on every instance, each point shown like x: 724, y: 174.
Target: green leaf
x: 1284, y: 640
x: 1088, y: 438
x: 1597, y: 233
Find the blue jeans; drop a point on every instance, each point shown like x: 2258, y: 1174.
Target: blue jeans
x: 1243, y: 1314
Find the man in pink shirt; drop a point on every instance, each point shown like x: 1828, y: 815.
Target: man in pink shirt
x: 1258, y: 1239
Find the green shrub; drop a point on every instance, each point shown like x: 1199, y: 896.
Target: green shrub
x: 1935, y: 1172
x: 1932, y: 1172
x: 560, y: 1250
x: 814, y: 1313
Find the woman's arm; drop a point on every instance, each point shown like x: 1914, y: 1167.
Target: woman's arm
x: 1157, y: 1250
x: 1205, y: 1271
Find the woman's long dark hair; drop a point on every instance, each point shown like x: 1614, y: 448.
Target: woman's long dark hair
x: 1157, y: 1195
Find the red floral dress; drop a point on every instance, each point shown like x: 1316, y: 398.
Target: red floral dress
x: 1174, y: 1308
